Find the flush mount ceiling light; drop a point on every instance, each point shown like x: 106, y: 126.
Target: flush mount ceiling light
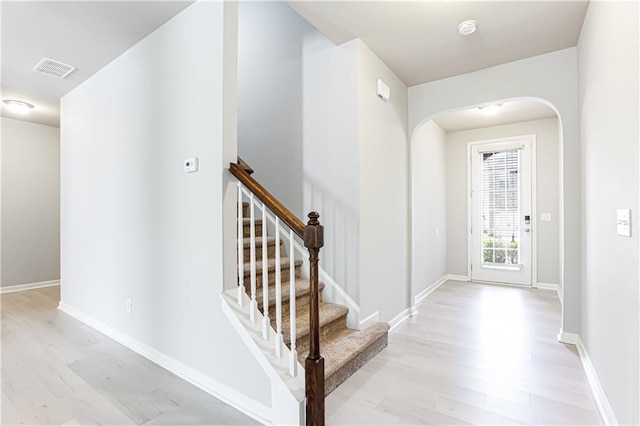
x: 19, y: 107
x: 467, y: 27
x: 490, y: 109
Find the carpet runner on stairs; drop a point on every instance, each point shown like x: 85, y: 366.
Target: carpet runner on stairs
x: 345, y: 350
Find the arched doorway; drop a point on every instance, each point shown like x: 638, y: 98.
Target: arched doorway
x: 442, y: 213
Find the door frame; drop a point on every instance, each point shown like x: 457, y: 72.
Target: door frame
x: 534, y: 207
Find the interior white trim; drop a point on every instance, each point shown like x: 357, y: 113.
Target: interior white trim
x: 427, y: 291
x: 549, y: 286
x: 399, y: 319
x: 604, y: 408
x: 29, y: 286
x: 453, y: 277
x: 568, y: 338
x: 374, y: 317
x: 224, y: 393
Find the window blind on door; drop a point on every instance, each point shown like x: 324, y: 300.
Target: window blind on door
x: 500, y: 207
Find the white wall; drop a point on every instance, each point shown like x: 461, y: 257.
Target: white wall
x: 30, y: 203
x: 331, y: 156
x: 355, y: 162
x: 384, y: 190
x: 548, y: 194
x: 608, y: 82
x: 270, y: 97
x: 298, y: 125
x: 134, y: 225
x: 551, y: 77
x: 429, y: 206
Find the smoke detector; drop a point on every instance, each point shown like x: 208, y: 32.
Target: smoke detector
x: 467, y: 27
x: 54, y: 68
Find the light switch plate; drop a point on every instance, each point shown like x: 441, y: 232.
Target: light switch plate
x: 545, y: 217
x: 191, y: 165
x: 624, y: 222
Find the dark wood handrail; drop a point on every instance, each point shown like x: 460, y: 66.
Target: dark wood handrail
x: 240, y: 172
x: 244, y: 166
x: 313, y: 237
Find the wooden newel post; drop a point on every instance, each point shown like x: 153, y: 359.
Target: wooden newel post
x: 314, y: 364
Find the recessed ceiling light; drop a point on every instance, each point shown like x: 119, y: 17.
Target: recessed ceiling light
x: 490, y: 109
x: 467, y: 27
x: 18, y: 107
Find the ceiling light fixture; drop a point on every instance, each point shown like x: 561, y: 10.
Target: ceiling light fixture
x: 490, y: 109
x: 19, y: 107
x: 467, y: 27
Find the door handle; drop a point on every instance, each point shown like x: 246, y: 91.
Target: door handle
x: 526, y: 229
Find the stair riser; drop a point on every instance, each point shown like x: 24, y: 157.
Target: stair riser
x: 303, y: 343
x: 284, y: 273
x: 271, y: 251
x: 300, y: 302
x: 339, y: 376
x: 246, y: 233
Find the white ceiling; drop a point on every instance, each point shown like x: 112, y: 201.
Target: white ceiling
x: 509, y: 112
x: 419, y: 40
x: 85, y: 34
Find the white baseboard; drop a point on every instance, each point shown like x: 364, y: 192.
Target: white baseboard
x: 604, y: 408
x: 399, y: 319
x: 227, y: 395
x: 374, y: 317
x: 414, y: 310
x: 568, y: 338
x: 29, y: 286
x: 427, y: 291
x: 554, y: 287
x: 457, y: 277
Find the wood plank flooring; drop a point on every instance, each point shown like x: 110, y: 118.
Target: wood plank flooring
x: 56, y: 370
x: 474, y: 354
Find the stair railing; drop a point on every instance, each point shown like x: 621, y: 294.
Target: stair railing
x: 312, y: 236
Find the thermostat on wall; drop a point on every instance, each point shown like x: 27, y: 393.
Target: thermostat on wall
x: 191, y: 165
x: 624, y: 222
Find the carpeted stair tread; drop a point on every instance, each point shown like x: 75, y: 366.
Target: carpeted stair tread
x: 246, y: 242
x: 346, y: 345
x: 347, y: 351
x: 271, y: 265
x: 302, y: 290
x: 329, y: 313
x: 344, y: 350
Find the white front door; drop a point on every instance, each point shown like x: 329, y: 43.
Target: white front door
x: 502, y: 216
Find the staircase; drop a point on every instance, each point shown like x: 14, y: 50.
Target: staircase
x: 344, y: 350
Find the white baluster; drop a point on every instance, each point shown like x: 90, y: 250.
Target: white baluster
x: 241, y: 290
x: 278, y: 294
x: 253, y: 307
x: 293, y: 360
x: 266, y: 323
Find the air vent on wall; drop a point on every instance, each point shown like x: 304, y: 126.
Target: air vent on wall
x: 54, y: 68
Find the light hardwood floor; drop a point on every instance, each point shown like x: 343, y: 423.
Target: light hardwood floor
x: 474, y: 354
x: 55, y: 370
